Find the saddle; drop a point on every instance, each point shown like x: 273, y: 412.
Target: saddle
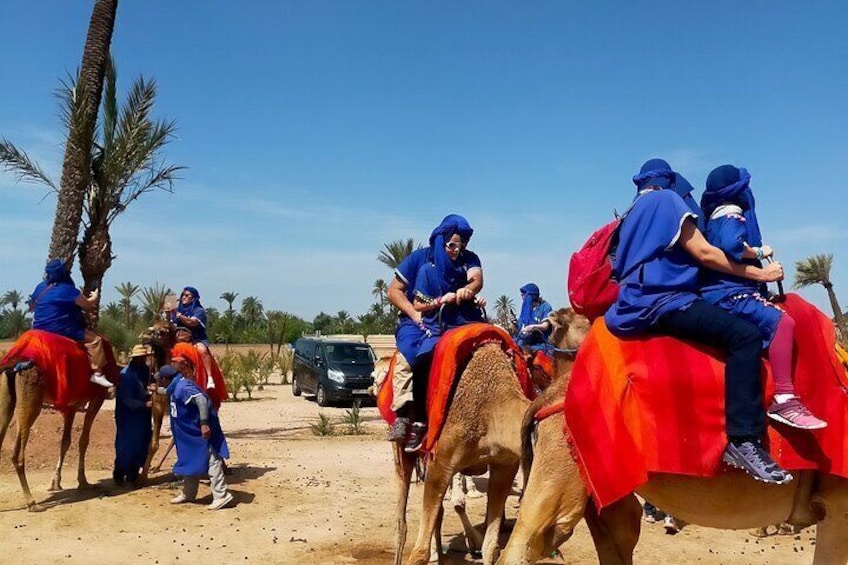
x: 656, y: 405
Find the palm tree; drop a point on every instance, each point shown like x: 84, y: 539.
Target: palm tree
x: 153, y: 299
x: 816, y: 270
x: 76, y: 168
x: 504, y: 311
x: 113, y: 310
x: 251, y: 309
x: 127, y: 291
x: 11, y: 298
x: 379, y: 291
x: 126, y: 162
x: 396, y: 251
x: 229, y: 298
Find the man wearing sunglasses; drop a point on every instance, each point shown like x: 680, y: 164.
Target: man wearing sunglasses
x: 411, y: 329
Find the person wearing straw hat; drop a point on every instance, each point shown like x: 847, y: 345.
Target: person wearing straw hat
x: 133, y: 428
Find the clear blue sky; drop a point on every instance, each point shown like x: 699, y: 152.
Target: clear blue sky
x: 315, y: 131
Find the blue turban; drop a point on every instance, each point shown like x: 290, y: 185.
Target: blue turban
x: 190, y: 310
x: 451, y: 225
x: 56, y: 271
x: 657, y: 172
x: 728, y: 185
x: 531, y: 293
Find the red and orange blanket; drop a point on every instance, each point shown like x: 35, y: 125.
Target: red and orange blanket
x: 64, y: 365
x: 218, y: 394
x: 649, y: 405
x: 452, y: 353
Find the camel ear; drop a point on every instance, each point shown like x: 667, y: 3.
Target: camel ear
x: 562, y: 318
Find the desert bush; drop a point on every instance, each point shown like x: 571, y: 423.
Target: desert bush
x: 267, y: 364
x: 354, y: 421
x: 121, y: 337
x: 229, y: 365
x: 248, y: 366
x: 323, y: 427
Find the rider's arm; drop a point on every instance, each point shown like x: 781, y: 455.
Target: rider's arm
x: 397, y: 296
x: 187, y: 321
x: 423, y: 303
x: 693, y: 242
x: 87, y: 302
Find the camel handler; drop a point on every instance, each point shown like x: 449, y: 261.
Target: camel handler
x: 57, y: 307
x: 201, y: 446
x: 410, y: 330
x: 133, y: 428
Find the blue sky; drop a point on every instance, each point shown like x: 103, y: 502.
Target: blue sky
x: 314, y: 132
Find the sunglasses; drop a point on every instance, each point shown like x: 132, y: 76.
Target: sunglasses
x: 186, y: 294
x: 454, y: 246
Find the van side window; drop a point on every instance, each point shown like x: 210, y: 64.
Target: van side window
x: 305, y: 348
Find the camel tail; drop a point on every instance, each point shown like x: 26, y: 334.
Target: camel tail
x: 528, y: 425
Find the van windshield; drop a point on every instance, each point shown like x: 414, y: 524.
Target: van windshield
x: 349, y: 354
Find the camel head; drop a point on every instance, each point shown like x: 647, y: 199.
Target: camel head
x: 160, y: 337
x: 570, y: 328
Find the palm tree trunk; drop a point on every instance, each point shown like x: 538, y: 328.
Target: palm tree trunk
x: 838, y: 315
x: 76, y: 168
x: 95, y: 259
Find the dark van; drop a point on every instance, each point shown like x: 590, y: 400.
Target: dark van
x: 332, y: 370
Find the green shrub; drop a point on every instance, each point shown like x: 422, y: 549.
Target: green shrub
x: 354, y: 420
x: 323, y: 427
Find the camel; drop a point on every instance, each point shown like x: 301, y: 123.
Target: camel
x: 160, y: 337
x: 22, y: 394
x: 481, y: 432
x: 556, y: 498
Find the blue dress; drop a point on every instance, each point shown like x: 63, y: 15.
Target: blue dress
x: 133, y: 427
x: 55, y: 309
x: 192, y: 448
x: 655, y: 275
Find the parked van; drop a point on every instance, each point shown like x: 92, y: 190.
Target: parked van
x: 331, y: 370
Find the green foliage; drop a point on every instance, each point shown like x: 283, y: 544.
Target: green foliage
x: 283, y: 362
x: 248, y: 367
x: 14, y: 320
x: 229, y: 368
x: 121, y: 337
x: 354, y: 421
x: 323, y: 427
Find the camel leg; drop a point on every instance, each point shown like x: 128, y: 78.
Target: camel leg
x: 500, y: 485
x: 554, y: 499
x: 158, y: 416
x: 67, y: 426
x: 615, y: 530
x: 439, y: 474
x: 404, y: 465
x: 436, y: 548
x: 831, y: 542
x: 473, y: 538
x: 90, y: 413
x: 7, y: 404
x: 29, y: 387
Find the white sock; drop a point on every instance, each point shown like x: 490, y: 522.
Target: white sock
x: 781, y: 398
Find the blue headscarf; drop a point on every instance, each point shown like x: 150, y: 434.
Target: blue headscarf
x: 56, y: 271
x: 449, y: 272
x: 729, y: 185
x: 190, y: 310
x: 531, y: 293
x: 657, y: 172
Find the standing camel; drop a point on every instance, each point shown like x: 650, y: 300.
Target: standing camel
x: 23, y: 391
x: 481, y: 431
x: 556, y: 498
x: 160, y: 337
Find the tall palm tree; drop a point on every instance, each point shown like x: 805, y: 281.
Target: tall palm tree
x: 504, y: 311
x: 396, y: 251
x: 126, y: 162
x: 229, y: 298
x: 153, y: 299
x: 816, y: 270
x: 252, y: 310
x: 113, y: 310
x: 128, y: 291
x: 11, y: 298
x: 379, y: 291
x: 76, y: 168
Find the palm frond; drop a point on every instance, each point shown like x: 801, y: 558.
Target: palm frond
x: 109, y: 114
x: 71, y: 96
x: 813, y: 270
x: 17, y: 162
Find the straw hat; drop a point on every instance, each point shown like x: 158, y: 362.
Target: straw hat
x: 140, y: 351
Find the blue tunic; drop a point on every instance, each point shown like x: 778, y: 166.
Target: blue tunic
x: 741, y: 297
x: 133, y: 428
x: 429, y: 286
x: 655, y: 275
x: 55, y: 310
x: 192, y: 448
x: 408, y: 335
x: 536, y: 340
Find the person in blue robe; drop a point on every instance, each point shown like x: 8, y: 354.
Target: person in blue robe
x: 410, y: 329
x: 198, y: 437
x: 657, y: 263
x: 191, y: 315
x: 534, y: 328
x: 133, y: 418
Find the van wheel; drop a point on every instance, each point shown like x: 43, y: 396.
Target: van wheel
x: 295, y: 387
x: 321, y: 397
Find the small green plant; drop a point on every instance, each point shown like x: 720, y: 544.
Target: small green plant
x: 285, y: 361
x: 267, y: 364
x: 323, y: 427
x: 232, y: 375
x: 354, y: 421
x: 248, y: 365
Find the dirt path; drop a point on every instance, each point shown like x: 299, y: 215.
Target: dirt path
x: 300, y: 499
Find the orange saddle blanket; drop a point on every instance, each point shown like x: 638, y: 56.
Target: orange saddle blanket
x: 64, y: 365
x: 656, y: 404
x: 218, y: 393
x: 452, y: 353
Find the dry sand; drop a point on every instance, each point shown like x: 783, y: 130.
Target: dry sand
x: 298, y: 499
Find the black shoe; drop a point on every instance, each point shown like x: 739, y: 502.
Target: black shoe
x: 398, y: 431
x: 755, y: 461
x: 416, y: 437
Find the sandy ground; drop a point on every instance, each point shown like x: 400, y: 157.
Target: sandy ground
x: 299, y: 498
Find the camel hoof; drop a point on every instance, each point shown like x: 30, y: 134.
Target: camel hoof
x: 35, y: 507
x: 55, y: 487
x: 85, y: 485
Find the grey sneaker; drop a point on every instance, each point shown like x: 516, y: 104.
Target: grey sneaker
x: 397, y: 433
x: 416, y: 437
x: 755, y: 461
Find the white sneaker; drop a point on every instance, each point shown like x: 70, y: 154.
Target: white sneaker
x: 670, y: 524
x: 221, y: 502
x: 99, y: 379
x: 179, y: 499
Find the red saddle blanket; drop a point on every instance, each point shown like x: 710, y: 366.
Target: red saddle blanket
x: 657, y: 405
x: 452, y: 353
x: 218, y: 393
x: 64, y: 365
